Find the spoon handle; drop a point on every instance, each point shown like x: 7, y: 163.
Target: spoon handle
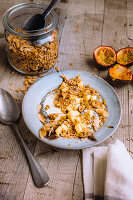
x: 40, y: 177
x: 49, y: 8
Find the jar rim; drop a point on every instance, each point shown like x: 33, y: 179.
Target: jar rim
x: 45, y: 30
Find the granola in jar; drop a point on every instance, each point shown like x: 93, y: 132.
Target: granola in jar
x: 30, y: 52
x: 32, y: 58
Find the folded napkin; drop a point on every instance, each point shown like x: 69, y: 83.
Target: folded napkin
x: 108, y: 172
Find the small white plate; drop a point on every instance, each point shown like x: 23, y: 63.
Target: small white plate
x: 49, y: 82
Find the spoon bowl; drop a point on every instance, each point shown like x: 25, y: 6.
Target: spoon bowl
x: 9, y: 111
x: 38, y: 21
x: 35, y: 23
x: 9, y: 114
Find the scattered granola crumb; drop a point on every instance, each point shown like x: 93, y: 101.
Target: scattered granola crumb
x: 47, y: 107
x: 57, y: 69
x: 129, y: 151
x: 29, y: 80
x: 71, y: 64
x: 16, y: 98
x: 23, y: 91
x: 127, y: 139
x: 99, y: 97
x: 11, y: 83
x: 81, y: 108
x: 17, y: 90
x: 53, y: 116
x: 130, y: 24
x: 58, y: 61
x: 12, y: 73
x: 69, y: 144
x: 40, y: 75
x: 123, y: 25
x: 104, y: 102
x: 12, y: 89
x: 95, y: 69
x: 25, y: 82
x: 77, y: 142
x: 76, y: 29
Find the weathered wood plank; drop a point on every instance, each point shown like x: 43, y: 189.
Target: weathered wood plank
x: 118, y: 7
x: 130, y: 21
x: 77, y: 45
x: 80, y: 34
x: 86, y: 6
x: 130, y: 118
x: 114, y: 34
x: 12, y: 186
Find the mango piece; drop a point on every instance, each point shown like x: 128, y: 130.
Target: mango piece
x: 80, y: 127
x: 58, y: 130
x: 87, y: 97
x: 80, y: 84
x: 72, y: 115
x: 64, y: 87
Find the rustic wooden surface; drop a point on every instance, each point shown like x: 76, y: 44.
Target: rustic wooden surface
x: 83, y: 25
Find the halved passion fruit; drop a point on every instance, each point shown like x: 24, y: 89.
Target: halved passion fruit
x: 105, y: 56
x: 125, y: 56
x: 119, y: 75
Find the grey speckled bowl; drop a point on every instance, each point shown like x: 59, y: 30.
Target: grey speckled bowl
x: 38, y: 90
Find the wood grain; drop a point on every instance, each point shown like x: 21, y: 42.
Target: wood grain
x: 83, y: 25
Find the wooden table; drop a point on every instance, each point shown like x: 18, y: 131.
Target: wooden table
x: 83, y: 25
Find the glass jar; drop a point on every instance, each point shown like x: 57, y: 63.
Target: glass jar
x: 32, y: 52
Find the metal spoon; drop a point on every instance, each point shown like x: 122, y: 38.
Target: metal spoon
x: 9, y: 114
x: 38, y: 21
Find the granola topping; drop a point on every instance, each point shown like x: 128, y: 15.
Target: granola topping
x: 84, y: 111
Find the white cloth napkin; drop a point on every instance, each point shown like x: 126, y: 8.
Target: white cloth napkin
x: 108, y: 172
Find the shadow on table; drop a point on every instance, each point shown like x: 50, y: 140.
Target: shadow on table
x: 3, y: 56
